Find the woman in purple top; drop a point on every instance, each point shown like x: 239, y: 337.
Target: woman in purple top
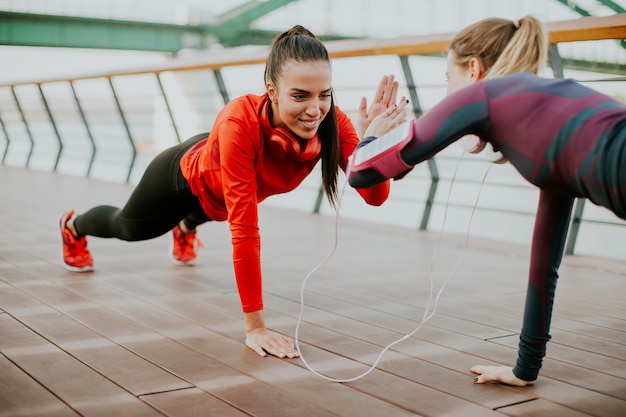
x: 568, y: 140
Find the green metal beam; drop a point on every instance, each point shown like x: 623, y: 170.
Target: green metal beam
x: 233, y: 27
x: 594, y: 66
x: 617, y: 8
x: 613, y: 6
x: 264, y: 37
x: 572, y: 5
x: 242, y: 16
x: 26, y: 29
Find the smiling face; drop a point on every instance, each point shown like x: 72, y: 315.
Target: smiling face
x: 302, y: 97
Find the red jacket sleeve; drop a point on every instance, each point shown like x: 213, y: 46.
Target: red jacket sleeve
x: 237, y: 159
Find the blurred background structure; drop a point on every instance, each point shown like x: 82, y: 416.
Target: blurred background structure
x: 96, y: 88
x: 159, y: 30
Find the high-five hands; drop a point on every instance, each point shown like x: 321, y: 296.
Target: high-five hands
x: 384, y: 98
x: 394, y: 116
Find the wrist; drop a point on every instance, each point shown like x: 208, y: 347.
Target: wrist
x: 254, y: 320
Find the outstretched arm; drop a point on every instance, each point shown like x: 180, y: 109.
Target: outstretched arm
x: 461, y: 113
x: 549, y: 236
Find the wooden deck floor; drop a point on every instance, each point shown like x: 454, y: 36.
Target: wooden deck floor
x: 143, y: 337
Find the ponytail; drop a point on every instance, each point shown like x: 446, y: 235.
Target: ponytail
x: 527, y: 51
x: 503, y: 46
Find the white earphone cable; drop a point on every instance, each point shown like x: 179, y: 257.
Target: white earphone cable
x: 427, y: 313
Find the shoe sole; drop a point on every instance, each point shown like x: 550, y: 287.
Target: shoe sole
x: 77, y: 269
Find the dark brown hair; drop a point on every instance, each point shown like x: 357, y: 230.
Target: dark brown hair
x: 301, y: 45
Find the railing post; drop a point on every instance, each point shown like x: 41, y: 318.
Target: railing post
x: 167, y: 105
x: 410, y: 85
x: 127, y: 128
x: 54, y: 127
x: 432, y: 191
x: 7, y: 139
x: 23, y: 116
x: 318, y: 199
x: 577, y: 218
x: 221, y: 85
x: 556, y: 63
x: 89, y: 134
x: 432, y: 165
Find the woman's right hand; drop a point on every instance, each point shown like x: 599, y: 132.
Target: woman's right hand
x: 502, y: 374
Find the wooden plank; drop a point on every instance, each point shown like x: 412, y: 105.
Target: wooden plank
x: 75, y: 384
x: 191, y: 402
x: 236, y: 356
x: 188, y: 321
x: 185, y: 362
x: 20, y: 395
x: 506, y: 397
x: 336, y: 397
x: 111, y: 360
x: 605, y: 405
x: 541, y: 407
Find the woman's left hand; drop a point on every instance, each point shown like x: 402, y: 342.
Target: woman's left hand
x: 503, y: 374
x: 385, y: 96
x: 393, y: 117
x: 264, y: 341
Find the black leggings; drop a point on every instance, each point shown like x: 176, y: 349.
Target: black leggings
x: 159, y: 202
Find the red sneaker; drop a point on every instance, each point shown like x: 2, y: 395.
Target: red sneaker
x: 76, y: 256
x: 185, y: 246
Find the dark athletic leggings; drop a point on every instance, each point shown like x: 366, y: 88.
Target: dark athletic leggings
x: 159, y: 202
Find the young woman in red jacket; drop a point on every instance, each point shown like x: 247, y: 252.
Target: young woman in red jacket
x: 258, y: 146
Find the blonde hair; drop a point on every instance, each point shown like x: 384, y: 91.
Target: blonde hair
x: 503, y: 46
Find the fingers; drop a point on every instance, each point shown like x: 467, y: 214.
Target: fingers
x: 485, y: 375
x: 480, y: 369
x: 380, y: 91
x: 387, y: 91
x: 255, y: 347
x: 363, y: 108
x: 390, y: 92
x: 282, y: 347
x: 397, y: 111
x: 272, y: 343
x: 503, y: 374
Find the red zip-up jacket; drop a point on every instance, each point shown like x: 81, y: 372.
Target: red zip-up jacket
x: 230, y: 173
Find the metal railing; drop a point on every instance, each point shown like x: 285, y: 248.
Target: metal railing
x: 51, y: 110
